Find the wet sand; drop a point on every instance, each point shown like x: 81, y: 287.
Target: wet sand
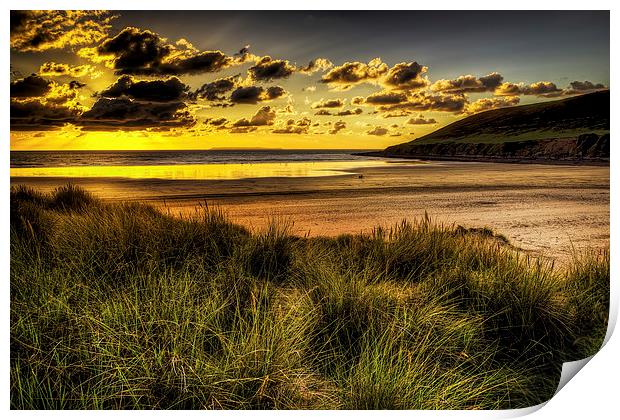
x: 544, y: 209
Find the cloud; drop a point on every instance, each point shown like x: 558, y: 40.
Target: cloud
x: 41, y: 30
x: 397, y: 113
x: 242, y: 129
x: 486, y: 104
x: 300, y: 126
x: 52, y: 69
x: 309, y: 89
x: 338, y: 126
x: 142, y: 52
x: 323, y: 112
x: 546, y: 89
x: 316, y: 65
x: 423, y: 101
x: 124, y: 113
x: 406, y: 76
x: 347, y: 75
x: 264, y: 116
x: 330, y: 103
x: 469, y: 84
x: 30, y: 86
x: 288, y: 109
x: 576, y: 88
x: 168, y: 90
x: 255, y: 94
x: 384, y: 98
x: 214, y: 91
x: 402, y: 76
x: 267, y: 69
x: 377, y: 131
x: 74, y: 84
x: 217, y: 122
x: 542, y: 88
x: 46, y: 93
x: 38, y: 104
x: 35, y: 114
x: 420, y: 120
x: 348, y: 112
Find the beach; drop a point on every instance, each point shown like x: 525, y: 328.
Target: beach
x: 547, y: 210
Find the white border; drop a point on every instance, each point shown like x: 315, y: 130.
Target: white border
x: 592, y: 394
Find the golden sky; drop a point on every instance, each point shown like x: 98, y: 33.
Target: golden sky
x: 96, y: 80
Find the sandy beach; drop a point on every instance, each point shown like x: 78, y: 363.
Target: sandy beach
x: 544, y: 209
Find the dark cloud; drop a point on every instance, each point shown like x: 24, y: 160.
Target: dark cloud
x: 142, y: 52
x: 422, y: 101
x: 586, y: 86
x: 546, y: 89
x: 406, y: 76
x: 267, y: 69
x: 330, y: 103
x: 168, y: 90
x: 468, y: 84
x: 300, y: 126
x: 34, y: 115
x: 338, y: 126
x: 576, y: 88
x: 60, y: 69
x: 30, y: 86
x: 203, y: 62
x: 40, y: 30
x: 420, y: 120
x: 255, y: 94
x: 124, y: 113
x: 242, y: 129
x: 384, y: 98
x: 217, y: 122
x: 486, y: 104
x: 318, y: 64
x: 543, y: 88
x: 351, y: 73
x: 377, y: 131
x: 264, y: 116
x: 323, y: 112
x: 135, y: 51
x: 74, y: 84
x: 347, y: 112
x: 396, y: 114
x: 215, y: 90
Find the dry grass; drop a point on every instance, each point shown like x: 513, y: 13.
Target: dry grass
x: 120, y: 306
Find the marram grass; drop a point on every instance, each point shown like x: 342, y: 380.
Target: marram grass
x: 119, y: 306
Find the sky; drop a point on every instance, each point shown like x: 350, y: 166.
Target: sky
x: 105, y: 80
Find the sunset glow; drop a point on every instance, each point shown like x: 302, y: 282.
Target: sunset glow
x: 88, y: 80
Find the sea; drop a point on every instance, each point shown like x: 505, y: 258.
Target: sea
x: 38, y: 159
x: 188, y: 164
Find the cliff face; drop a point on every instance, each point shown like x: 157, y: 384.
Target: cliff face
x: 586, y: 147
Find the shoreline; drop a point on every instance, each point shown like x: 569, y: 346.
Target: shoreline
x: 547, y: 209
x: 565, y: 162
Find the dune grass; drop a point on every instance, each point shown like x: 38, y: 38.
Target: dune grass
x: 119, y: 306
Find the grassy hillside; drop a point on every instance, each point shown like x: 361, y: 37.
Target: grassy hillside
x: 121, y: 306
x: 565, y: 118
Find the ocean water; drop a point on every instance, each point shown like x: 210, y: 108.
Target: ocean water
x: 188, y: 165
x: 53, y: 159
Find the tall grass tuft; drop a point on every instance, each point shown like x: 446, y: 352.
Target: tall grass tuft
x: 121, y: 306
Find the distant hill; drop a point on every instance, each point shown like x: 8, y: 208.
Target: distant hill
x: 575, y: 128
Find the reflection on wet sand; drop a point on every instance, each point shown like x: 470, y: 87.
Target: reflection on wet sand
x: 203, y: 171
